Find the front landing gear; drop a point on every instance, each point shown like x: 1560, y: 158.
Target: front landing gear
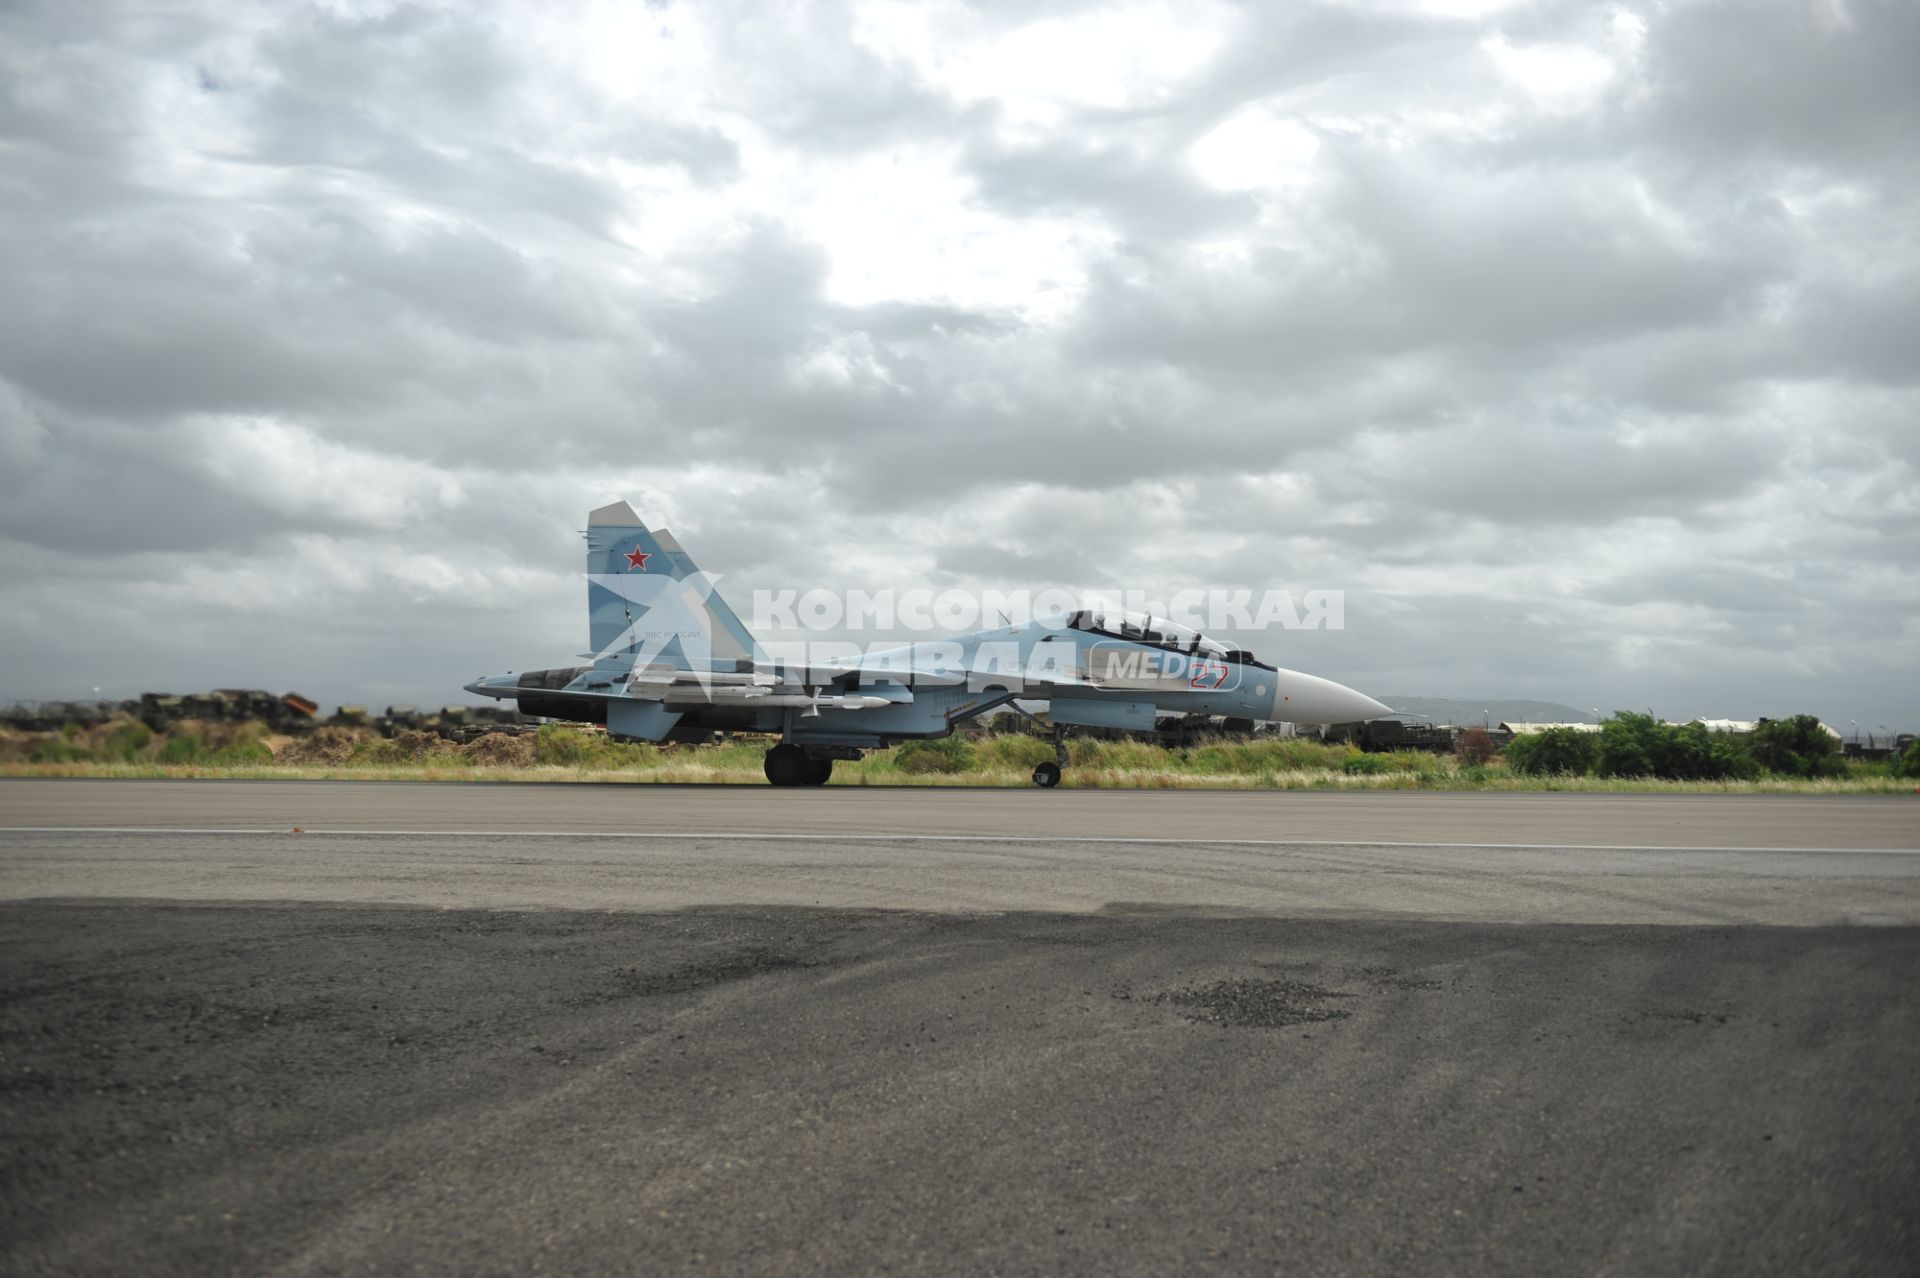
x: 1047, y: 775
x: 788, y: 764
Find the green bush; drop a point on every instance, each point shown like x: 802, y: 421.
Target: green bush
x: 248, y: 746
x: 1733, y: 758
x: 1299, y: 754
x: 184, y: 748
x: 1797, y: 747
x: 561, y: 745
x: 239, y: 751
x: 625, y: 754
x: 122, y: 740
x: 556, y: 743
x: 1358, y: 764
x: 1688, y: 752
x: 1016, y: 751
x: 1622, y: 750
x: 1218, y: 758
x: 1907, y: 762
x: 1423, y: 762
x: 52, y: 749
x: 942, y: 755
x: 1557, y: 751
x: 1267, y: 755
x: 1118, y: 756
x: 1638, y: 745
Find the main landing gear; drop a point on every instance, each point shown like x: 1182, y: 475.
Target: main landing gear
x: 1047, y: 775
x: 788, y: 764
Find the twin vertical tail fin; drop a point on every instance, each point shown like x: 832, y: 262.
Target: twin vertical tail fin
x: 649, y: 605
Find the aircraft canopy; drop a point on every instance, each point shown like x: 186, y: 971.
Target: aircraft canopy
x: 1143, y: 627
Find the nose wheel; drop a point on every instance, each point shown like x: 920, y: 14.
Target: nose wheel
x: 1047, y: 775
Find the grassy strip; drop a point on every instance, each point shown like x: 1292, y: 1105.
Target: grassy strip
x: 875, y: 771
x: 563, y: 753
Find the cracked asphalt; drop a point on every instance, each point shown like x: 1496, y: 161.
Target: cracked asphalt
x: 317, y: 1089
x: 423, y: 1051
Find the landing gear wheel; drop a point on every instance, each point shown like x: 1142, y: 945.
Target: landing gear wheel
x: 818, y: 770
x: 786, y: 765
x: 1047, y: 775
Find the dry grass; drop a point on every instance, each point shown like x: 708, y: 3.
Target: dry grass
x: 690, y: 769
x: 559, y: 753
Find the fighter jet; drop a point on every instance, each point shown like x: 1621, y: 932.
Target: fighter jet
x: 672, y: 662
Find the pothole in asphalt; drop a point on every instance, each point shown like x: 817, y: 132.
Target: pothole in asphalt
x: 1268, y: 1004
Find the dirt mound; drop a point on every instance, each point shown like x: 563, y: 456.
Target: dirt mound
x: 419, y: 747
x: 501, y: 749
x: 213, y: 734
x: 327, y: 744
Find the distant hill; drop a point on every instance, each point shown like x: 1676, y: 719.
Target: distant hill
x: 1447, y: 710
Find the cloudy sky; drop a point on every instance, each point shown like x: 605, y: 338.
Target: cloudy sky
x: 1577, y: 343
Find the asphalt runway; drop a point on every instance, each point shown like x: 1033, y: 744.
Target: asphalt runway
x: 1372, y: 816
x: 512, y: 1029
x: 1516, y: 858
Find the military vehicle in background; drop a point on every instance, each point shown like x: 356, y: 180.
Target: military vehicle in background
x: 1173, y: 731
x: 1381, y: 736
x: 286, y: 714
x: 455, y: 723
x: 51, y: 716
x: 1871, y: 746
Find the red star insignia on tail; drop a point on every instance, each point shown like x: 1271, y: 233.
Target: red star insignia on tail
x: 637, y: 558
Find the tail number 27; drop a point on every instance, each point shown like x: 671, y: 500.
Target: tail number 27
x: 1207, y: 676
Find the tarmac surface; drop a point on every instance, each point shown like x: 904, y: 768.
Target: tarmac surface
x: 1373, y: 816
x: 512, y: 1029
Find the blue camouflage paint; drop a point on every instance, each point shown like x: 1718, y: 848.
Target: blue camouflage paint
x: 668, y: 655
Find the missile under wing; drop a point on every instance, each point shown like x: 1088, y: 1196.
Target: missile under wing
x: 669, y: 660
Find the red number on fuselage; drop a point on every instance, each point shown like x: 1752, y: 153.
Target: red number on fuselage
x: 1207, y: 676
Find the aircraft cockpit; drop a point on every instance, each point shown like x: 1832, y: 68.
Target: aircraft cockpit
x: 1140, y: 627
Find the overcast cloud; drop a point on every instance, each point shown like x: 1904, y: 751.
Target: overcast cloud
x: 1575, y: 342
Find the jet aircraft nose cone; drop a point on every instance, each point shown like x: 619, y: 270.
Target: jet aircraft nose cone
x: 1305, y: 698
